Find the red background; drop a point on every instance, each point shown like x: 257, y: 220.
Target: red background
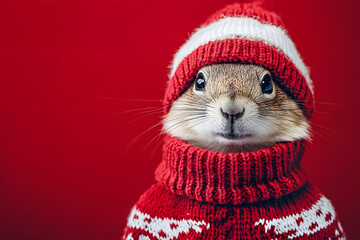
x: 68, y: 167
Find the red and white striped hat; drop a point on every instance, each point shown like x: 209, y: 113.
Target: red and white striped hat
x: 244, y: 33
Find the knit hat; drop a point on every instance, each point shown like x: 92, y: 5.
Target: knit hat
x: 244, y: 33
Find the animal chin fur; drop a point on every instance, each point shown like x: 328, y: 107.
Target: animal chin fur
x: 203, y: 138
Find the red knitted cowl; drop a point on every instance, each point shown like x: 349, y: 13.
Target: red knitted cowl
x: 233, y: 178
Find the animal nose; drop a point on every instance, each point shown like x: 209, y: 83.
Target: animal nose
x: 232, y: 115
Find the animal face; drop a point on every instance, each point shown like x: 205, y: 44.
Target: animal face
x: 234, y: 107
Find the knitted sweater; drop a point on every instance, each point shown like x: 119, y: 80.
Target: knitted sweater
x: 202, y: 194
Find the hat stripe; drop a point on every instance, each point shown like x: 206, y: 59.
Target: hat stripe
x: 242, y: 27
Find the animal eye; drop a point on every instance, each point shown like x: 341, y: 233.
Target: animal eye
x: 200, y: 82
x: 266, y: 85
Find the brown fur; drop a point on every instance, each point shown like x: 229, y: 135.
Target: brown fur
x: 236, y: 81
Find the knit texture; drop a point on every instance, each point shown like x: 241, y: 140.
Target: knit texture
x: 202, y: 194
x: 232, y: 178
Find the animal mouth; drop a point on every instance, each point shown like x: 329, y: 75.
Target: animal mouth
x: 233, y: 136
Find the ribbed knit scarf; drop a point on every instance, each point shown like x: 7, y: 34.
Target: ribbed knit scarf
x: 231, y: 178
